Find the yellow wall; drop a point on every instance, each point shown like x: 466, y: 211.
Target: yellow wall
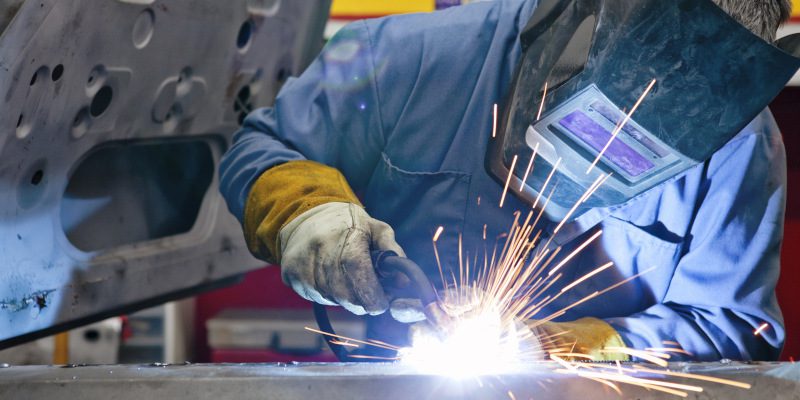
x: 379, y: 7
x: 384, y: 7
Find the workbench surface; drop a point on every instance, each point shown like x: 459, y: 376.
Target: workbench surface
x: 362, y: 381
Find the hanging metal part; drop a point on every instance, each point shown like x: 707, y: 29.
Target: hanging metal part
x: 115, y: 114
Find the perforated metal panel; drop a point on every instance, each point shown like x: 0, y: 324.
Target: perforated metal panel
x: 114, y: 116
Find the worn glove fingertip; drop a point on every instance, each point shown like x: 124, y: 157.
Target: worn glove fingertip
x: 407, y: 311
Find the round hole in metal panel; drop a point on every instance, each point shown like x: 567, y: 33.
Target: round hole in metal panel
x: 32, y: 185
x: 58, y: 72
x: 245, y: 35
x: 101, y: 101
x: 37, y: 177
x: 143, y: 28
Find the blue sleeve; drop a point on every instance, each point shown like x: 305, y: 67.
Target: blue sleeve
x: 723, y: 288
x: 388, y: 81
x: 329, y: 114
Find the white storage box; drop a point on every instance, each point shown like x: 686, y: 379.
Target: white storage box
x: 279, y: 330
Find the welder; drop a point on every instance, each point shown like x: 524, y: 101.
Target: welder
x: 385, y: 136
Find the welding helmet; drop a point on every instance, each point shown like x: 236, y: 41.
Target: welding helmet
x: 598, y: 57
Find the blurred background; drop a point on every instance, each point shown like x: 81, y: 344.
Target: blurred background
x: 261, y: 320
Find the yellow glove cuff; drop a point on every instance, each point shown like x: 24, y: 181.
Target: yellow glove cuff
x: 282, y: 193
x: 589, y: 336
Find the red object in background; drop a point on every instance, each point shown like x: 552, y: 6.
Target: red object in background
x: 786, y: 108
x: 787, y: 288
x: 262, y: 288
x: 127, y: 332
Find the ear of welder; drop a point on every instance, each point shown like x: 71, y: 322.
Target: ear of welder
x: 284, y: 192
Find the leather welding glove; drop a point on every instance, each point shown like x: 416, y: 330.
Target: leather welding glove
x: 407, y: 311
x: 586, y: 336
x: 304, y: 216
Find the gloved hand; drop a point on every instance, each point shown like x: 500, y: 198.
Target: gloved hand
x: 586, y: 336
x: 326, y: 257
x: 455, y: 302
x: 304, y: 216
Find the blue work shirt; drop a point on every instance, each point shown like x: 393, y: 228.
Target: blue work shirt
x: 403, y: 107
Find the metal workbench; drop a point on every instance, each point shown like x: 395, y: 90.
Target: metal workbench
x: 366, y: 381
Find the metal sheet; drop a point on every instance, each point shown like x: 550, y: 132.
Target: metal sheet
x: 772, y: 381
x: 86, y: 233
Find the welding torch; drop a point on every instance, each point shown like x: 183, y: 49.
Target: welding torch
x: 388, y: 265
